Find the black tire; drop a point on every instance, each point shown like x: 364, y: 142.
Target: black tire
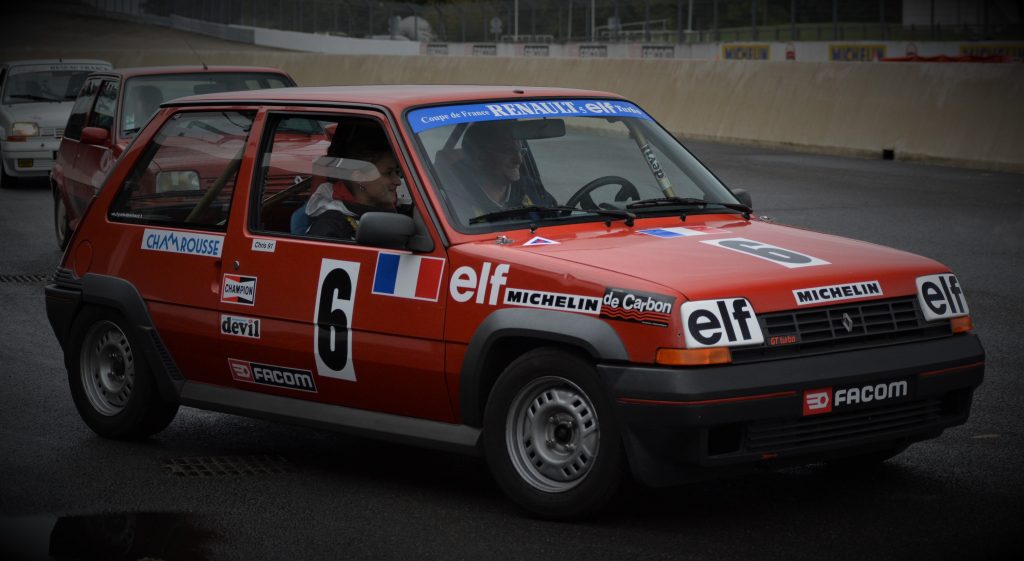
x: 579, y: 467
x: 6, y: 181
x: 112, y: 386
x: 60, y: 221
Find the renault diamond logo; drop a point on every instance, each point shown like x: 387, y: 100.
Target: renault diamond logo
x: 848, y: 322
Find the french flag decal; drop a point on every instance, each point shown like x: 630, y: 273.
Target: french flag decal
x: 408, y: 276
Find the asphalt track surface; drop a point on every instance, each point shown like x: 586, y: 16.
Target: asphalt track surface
x: 308, y: 494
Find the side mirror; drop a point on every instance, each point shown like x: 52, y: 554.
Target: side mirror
x: 392, y: 230
x: 95, y: 136
x: 743, y: 196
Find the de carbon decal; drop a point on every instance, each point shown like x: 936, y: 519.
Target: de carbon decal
x: 836, y: 292
x: 941, y: 297
x: 332, y: 319
x: 785, y: 257
x: 638, y: 307
x: 188, y: 243
x: 274, y: 376
x: 240, y: 326
x: 238, y: 289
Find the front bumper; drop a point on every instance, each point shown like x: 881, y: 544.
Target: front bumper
x: 685, y: 424
x: 32, y: 158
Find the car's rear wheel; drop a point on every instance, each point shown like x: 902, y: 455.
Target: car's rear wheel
x: 60, y: 220
x: 550, y: 436
x: 113, y: 388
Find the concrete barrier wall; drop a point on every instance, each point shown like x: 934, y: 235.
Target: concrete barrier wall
x: 964, y: 114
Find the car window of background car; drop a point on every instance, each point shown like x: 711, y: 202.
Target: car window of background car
x: 187, y: 173
x: 144, y: 94
x: 103, y: 112
x: 36, y: 86
x: 81, y: 108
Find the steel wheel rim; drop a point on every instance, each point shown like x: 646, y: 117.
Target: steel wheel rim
x: 552, y: 434
x: 60, y: 220
x: 107, y: 368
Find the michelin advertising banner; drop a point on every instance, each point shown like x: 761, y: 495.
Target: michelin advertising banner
x: 433, y: 117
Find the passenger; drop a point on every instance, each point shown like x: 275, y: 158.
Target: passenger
x: 366, y: 176
x: 491, y: 173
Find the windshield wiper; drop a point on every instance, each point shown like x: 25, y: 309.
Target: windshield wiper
x: 629, y: 217
x: 689, y: 201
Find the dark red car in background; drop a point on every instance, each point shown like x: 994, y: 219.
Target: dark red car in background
x: 110, y: 110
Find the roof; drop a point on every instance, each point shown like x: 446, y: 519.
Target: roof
x: 397, y: 98
x: 197, y: 69
x: 31, y: 61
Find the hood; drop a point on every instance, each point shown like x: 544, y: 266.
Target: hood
x: 47, y: 114
x: 708, y: 257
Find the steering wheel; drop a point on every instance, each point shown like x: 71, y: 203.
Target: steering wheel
x: 583, y: 199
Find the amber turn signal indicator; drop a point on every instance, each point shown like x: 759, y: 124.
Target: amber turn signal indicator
x: 693, y: 357
x: 961, y: 324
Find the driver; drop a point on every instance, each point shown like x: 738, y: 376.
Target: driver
x: 492, y: 171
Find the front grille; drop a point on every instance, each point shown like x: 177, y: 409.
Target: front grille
x: 810, y: 431
x: 840, y: 328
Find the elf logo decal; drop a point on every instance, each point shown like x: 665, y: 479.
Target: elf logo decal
x: 237, y: 289
x: 826, y: 400
x: 466, y: 283
x: 268, y: 375
x: 785, y: 257
x: 941, y: 297
x: 720, y: 323
x: 239, y: 326
x: 638, y: 307
x: 805, y: 296
x: 332, y: 317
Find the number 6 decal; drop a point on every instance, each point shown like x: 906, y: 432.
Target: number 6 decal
x: 785, y: 257
x: 332, y: 319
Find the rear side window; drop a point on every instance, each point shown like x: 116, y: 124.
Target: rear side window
x: 79, y: 112
x: 106, y: 107
x: 186, y: 176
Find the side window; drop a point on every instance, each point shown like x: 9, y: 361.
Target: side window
x: 106, y: 107
x: 81, y: 109
x: 187, y: 173
x: 319, y: 174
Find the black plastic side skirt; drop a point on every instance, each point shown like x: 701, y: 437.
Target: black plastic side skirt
x: 359, y: 422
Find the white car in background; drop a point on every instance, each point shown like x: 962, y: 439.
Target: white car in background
x: 35, y: 101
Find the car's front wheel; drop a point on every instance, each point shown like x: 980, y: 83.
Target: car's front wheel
x: 6, y: 180
x: 113, y: 388
x: 550, y: 436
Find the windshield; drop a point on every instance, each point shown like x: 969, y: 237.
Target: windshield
x: 596, y: 156
x: 144, y: 94
x: 46, y: 82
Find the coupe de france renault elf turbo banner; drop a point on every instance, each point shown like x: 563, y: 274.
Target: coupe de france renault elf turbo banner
x: 432, y: 117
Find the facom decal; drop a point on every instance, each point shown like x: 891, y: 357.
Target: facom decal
x: 467, y: 284
x: 269, y: 375
x: 720, y: 323
x: 266, y: 246
x: 332, y: 319
x: 408, y: 276
x: 785, y: 257
x: 638, y: 307
x: 827, y: 400
x: 552, y: 301
x: 240, y: 326
x: 537, y: 240
x: 680, y: 232
x: 941, y: 297
x: 188, y: 243
x: 238, y: 289
x: 836, y: 292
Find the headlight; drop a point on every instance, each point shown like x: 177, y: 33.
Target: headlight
x: 20, y: 131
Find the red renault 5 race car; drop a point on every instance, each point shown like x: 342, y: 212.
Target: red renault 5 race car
x: 542, y: 276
